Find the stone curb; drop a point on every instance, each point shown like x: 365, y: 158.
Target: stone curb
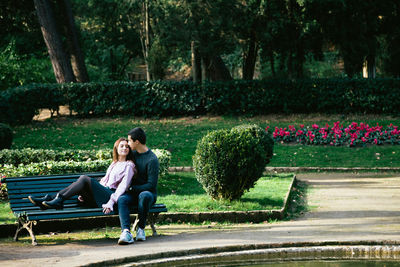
x: 304, y: 169
x: 390, y: 247
x: 256, y: 216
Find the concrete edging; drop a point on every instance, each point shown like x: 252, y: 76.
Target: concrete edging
x: 288, y: 250
x: 303, y: 169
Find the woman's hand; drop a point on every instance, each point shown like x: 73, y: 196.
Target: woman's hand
x: 106, y: 210
x: 80, y: 198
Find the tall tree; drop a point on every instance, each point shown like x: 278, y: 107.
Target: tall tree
x: 210, y: 23
x: 59, y: 60
x: 248, y: 28
x: 77, y: 58
x: 353, y: 26
x: 390, y: 18
x: 196, y: 62
x: 110, y: 36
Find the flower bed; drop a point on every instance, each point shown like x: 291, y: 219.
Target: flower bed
x: 337, y: 135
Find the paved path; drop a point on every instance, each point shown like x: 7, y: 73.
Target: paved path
x: 344, y: 207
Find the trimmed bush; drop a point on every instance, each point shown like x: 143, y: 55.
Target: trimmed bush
x: 29, y: 155
x: 28, y: 162
x: 164, y: 158
x: 54, y: 167
x: 6, y: 136
x: 229, y: 162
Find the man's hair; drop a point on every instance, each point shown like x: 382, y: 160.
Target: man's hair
x: 138, y: 134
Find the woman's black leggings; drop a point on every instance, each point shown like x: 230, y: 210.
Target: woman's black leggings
x: 82, y: 186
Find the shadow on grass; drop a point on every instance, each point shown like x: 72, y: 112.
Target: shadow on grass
x: 263, y: 201
x: 297, y: 205
x: 86, y: 238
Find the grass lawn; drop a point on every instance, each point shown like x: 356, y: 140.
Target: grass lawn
x: 182, y: 193
x: 180, y: 136
x: 6, y: 215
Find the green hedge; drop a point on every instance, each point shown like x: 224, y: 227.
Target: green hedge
x: 19, y: 105
x: 136, y: 98
x: 28, y: 162
x: 163, y: 98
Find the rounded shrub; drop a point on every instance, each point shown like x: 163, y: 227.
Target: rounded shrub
x: 6, y: 136
x: 229, y: 162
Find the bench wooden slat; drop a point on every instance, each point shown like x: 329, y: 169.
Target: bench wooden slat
x: 75, y: 208
x: 20, y: 209
x: 74, y: 213
x: 82, y: 209
x: 21, y: 203
x: 33, y: 184
x: 38, y: 189
x: 26, y: 194
x: 51, y: 177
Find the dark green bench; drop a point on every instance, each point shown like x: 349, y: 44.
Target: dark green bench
x: 19, y: 188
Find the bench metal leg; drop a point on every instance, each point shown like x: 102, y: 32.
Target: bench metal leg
x: 28, y: 225
x: 135, y: 223
x: 152, y: 221
x: 151, y: 218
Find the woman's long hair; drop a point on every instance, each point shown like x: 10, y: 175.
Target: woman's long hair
x: 115, y: 150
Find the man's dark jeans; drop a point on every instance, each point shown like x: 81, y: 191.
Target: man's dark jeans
x: 144, y: 201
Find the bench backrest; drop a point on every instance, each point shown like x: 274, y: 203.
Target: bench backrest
x: 19, y: 188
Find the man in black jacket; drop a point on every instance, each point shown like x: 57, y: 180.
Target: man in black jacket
x: 143, y: 191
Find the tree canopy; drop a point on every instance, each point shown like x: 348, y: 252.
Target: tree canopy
x: 216, y: 39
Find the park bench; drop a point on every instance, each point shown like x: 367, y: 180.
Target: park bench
x: 28, y: 215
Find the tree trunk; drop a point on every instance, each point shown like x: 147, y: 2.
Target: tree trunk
x: 77, y: 58
x: 147, y: 37
x: 205, y: 68
x: 61, y: 65
x: 272, y: 63
x: 196, y: 63
x: 369, y: 67
x: 250, y: 59
x: 218, y: 70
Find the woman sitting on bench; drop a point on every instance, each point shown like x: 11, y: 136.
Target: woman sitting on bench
x: 93, y: 193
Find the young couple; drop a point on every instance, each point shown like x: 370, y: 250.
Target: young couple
x: 131, y: 179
